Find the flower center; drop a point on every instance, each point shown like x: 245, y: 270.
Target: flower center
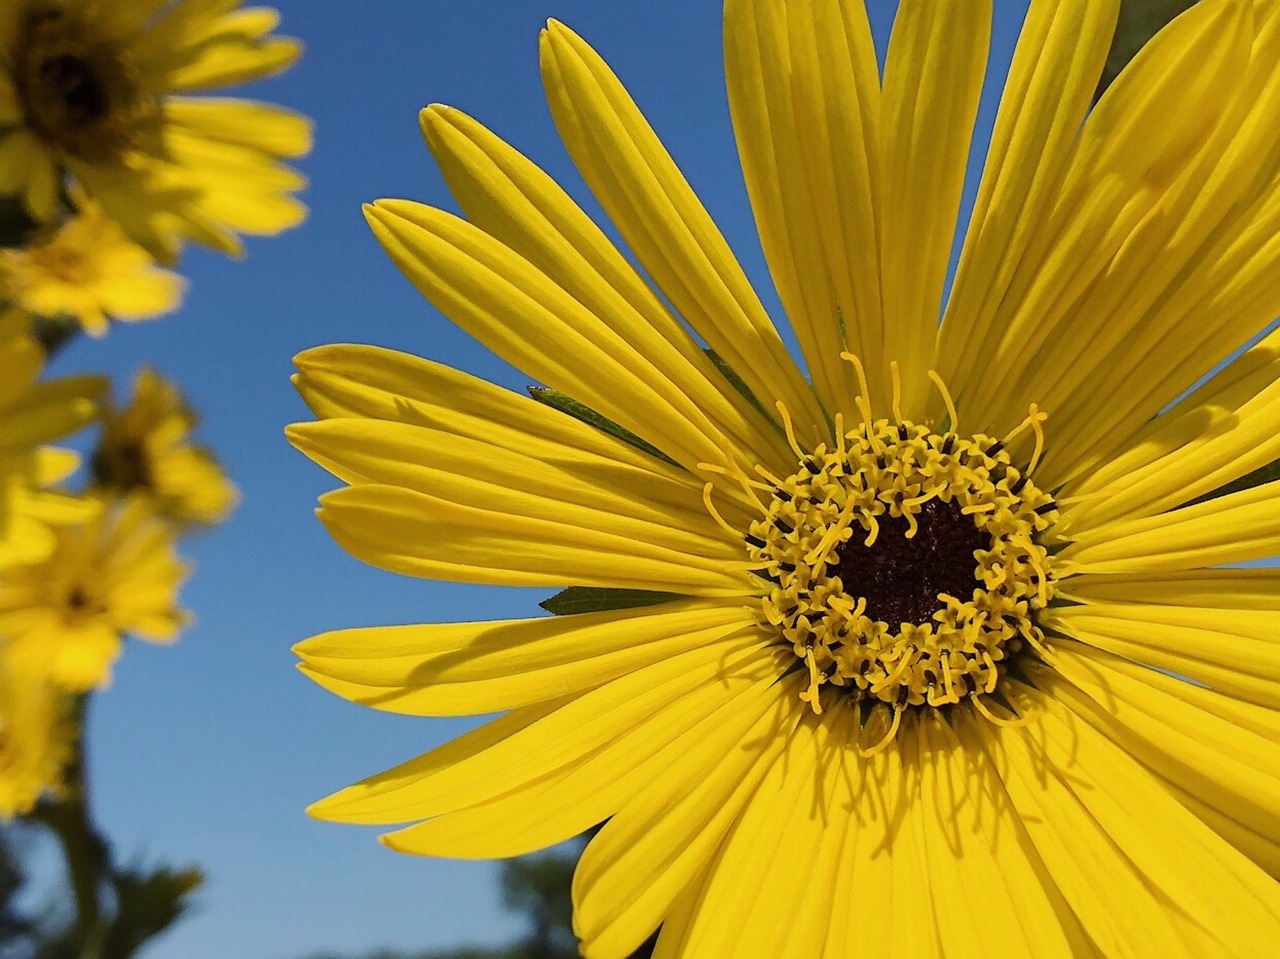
x: 76, y: 91
x: 906, y: 565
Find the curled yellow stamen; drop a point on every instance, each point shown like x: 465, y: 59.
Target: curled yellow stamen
x: 953, y: 424
x: 895, y: 377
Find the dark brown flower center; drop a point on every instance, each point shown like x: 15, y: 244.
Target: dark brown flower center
x: 76, y: 89
x: 901, y: 578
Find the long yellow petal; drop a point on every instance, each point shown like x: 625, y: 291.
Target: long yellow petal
x: 521, y: 541
x: 804, y: 93
x: 467, y: 470
x: 772, y: 862
x: 523, y: 746
x: 1122, y: 168
x: 1055, y: 70
x: 368, y: 381
x: 1226, y: 589
x: 932, y: 82
x: 680, y: 744
x: 448, y: 669
x: 511, y: 199
x: 516, y: 311
x: 1224, y: 753
x: 1216, y: 901
x: 1233, y: 651
x: 1223, y: 431
x: 1235, y: 528
x: 632, y: 873
x: 661, y: 219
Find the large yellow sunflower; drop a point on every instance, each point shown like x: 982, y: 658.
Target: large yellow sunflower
x: 946, y: 647
x: 98, y: 89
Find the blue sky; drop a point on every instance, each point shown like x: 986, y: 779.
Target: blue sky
x: 207, y: 752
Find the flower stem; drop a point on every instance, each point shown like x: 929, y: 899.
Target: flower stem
x: 87, y: 854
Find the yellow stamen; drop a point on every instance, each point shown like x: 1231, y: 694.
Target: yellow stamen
x: 895, y: 377
x: 715, y: 513
x: 815, y: 680
x: 953, y: 424
x: 883, y: 744
x: 790, y: 429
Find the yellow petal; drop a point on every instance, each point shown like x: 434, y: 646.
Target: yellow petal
x: 549, y: 545
x: 1213, y: 899
x: 367, y: 381
x: 684, y: 740
x: 458, y: 669
x: 1233, y: 651
x: 1228, y: 589
x: 932, y: 82
x: 804, y: 92
x: 516, y: 311
x: 1229, y: 529
x: 665, y: 835
x: 508, y: 197
x: 1221, y: 432
x: 474, y: 471
x: 1123, y: 167
x: 1222, y: 752
x: 777, y: 856
x: 1055, y: 70
x: 661, y: 219
x: 525, y: 745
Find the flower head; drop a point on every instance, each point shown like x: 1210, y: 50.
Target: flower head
x: 89, y: 270
x: 943, y: 645
x: 99, y: 90
x: 145, y: 448
x: 116, y: 575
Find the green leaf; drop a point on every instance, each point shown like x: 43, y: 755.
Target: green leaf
x: 580, y: 411
x: 596, y: 599
x: 1140, y: 20
x: 1263, y: 474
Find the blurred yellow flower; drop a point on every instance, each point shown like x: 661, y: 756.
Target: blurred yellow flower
x: 145, y: 448
x: 35, y: 738
x: 117, y: 574
x: 88, y: 269
x: 95, y: 88
x: 31, y: 414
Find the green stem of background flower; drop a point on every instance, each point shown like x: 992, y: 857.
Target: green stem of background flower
x: 87, y: 855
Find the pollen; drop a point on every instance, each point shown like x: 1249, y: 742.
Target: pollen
x: 906, y: 566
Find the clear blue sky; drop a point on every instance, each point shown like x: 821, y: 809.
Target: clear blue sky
x: 207, y: 752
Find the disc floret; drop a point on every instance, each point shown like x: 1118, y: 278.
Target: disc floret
x: 906, y: 565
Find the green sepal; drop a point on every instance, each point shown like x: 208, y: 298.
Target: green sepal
x: 580, y: 411
x: 599, y: 599
x: 1263, y: 474
x: 16, y: 224
x: 1140, y: 20
x: 736, y: 382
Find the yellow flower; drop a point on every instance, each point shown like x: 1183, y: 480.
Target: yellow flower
x: 145, y: 448
x: 97, y: 88
x: 35, y: 739
x: 90, y: 270
x: 31, y: 414
x: 118, y: 574
x: 947, y: 647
